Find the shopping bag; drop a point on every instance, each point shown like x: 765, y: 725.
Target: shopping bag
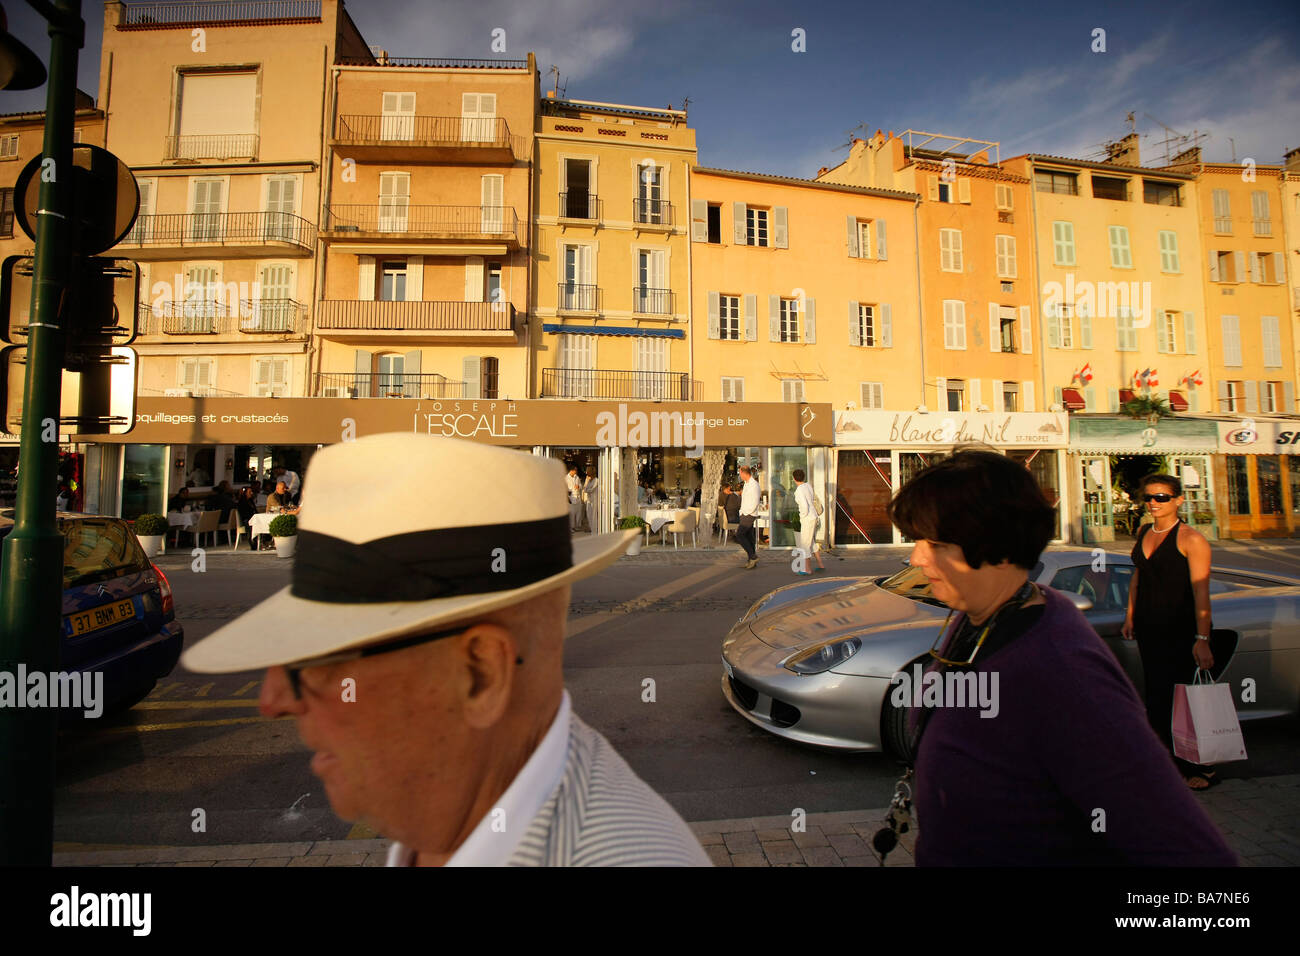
x: 1205, y: 726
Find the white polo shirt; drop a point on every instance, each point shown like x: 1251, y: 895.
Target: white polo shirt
x: 525, y: 796
x: 749, y: 497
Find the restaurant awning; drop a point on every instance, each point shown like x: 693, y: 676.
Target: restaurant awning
x: 1073, y: 400
x: 1177, y: 402
x: 1117, y: 435
x: 615, y: 330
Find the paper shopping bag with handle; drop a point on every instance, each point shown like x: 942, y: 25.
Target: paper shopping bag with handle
x: 1205, y: 725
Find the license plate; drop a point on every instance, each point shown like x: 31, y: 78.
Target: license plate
x: 100, y: 617
x: 727, y: 667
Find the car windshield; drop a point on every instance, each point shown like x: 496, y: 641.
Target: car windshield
x: 913, y: 584
x: 96, y: 549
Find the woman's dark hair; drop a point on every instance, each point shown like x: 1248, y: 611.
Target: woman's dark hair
x: 985, y: 503
x: 798, y: 475
x: 1158, y: 479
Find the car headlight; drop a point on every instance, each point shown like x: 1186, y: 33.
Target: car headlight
x: 822, y: 657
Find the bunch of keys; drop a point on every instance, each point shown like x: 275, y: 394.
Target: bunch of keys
x: 899, y: 818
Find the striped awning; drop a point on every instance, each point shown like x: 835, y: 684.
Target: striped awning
x: 614, y: 330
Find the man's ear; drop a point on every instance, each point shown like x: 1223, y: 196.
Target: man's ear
x: 486, y: 656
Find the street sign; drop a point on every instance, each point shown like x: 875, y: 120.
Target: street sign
x: 105, y: 199
x: 102, y: 300
x: 99, y: 387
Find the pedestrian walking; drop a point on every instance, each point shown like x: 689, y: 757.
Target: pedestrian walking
x: 806, y: 536
x: 591, y: 501
x: 745, y: 534
x: 574, y: 485
x: 1067, y: 772
x: 1169, y: 612
x: 420, y: 650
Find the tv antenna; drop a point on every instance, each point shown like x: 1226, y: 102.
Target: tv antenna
x: 1181, y: 141
x: 557, y: 89
x: 851, y: 137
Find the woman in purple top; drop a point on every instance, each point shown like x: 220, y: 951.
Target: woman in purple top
x: 1051, y: 762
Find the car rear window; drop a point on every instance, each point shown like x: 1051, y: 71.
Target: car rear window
x: 95, y: 549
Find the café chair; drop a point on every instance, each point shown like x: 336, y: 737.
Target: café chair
x: 209, y: 523
x: 723, y: 525
x: 685, y: 523
x: 234, y: 527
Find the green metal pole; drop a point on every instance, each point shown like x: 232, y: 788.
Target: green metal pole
x: 31, y: 561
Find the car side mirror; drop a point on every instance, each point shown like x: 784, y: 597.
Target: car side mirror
x: 1080, y: 601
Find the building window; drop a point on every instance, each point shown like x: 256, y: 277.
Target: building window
x: 1167, y: 329
x: 1052, y: 181
x: 577, y: 201
x: 715, y: 223
x: 1272, y: 336
x: 789, y: 320
x: 1104, y: 187
x: 729, y: 317
x: 792, y: 390
x: 1063, y: 243
x: 270, y: 377
x: 1222, y: 212
x: 1270, y: 397
x: 954, y: 324
x: 950, y: 259
x: 6, y: 213
x: 651, y: 207
x: 1004, y: 197
x: 867, y: 334
x: 1270, y: 484
x: 217, y: 115
x: 9, y: 146
x: 956, y: 395
x: 392, y: 280
x: 394, y: 201
x: 1126, y: 337
x: 1121, y: 257
x: 196, y: 375
x: 1010, y: 397
x: 873, y: 395
x: 1260, y: 213
x: 490, y: 377
x: 1065, y: 320
x: 1157, y: 193
x: 1006, y: 256
x: 1227, y: 270
x: 755, y: 226
x: 1007, y: 328
x: 1232, y: 395
x: 1238, y: 485
x: 1169, y: 251
x: 864, y: 238
x: 733, y: 388
x: 1231, y: 340
x: 1267, y: 270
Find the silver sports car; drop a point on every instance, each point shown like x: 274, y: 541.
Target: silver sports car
x: 812, y: 661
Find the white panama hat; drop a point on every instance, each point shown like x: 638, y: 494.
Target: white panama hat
x: 485, y: 528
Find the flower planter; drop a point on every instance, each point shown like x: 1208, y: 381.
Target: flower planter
x: 152, y: 544
x: 284, y: 546
x: 634, y: 546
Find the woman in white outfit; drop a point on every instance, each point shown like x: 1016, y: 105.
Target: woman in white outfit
x: 806, y: 536
x: 591, y: 496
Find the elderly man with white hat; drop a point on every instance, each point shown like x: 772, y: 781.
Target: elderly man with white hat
x: 421, y: 650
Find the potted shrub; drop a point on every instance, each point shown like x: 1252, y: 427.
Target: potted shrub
x: 284, y: 529
x: 151, y: 530
x: 633, y: 521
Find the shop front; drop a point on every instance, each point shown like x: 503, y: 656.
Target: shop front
x: 1110, y: 454
x: 877, y: 452
x: 1261, y: 476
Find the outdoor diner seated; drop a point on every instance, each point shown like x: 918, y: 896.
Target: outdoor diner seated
x: 279, y: 501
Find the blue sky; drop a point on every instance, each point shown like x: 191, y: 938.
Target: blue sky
x: 1022, y: 74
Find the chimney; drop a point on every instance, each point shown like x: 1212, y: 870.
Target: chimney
x: 1125, y: 152
x: 1188, y: 157
x: 1291, y: 160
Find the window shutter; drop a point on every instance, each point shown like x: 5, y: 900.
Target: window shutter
x: 1090, y: 398
x: 474, y: 279
x: 941, y: 385
x: 995, y: 328
x: 366, y: 278
x: 934, y: 189
x: 1265, y: 397
x: 1189, y: 333
x: 1026, y: 331
x: 1028, y: 391
x: 713, y: 316
x: 1252, y: 395
x: 855, y: 327
x: 1271, y: 334
x: 886, y: 326
x: 1256, y: 274
x: 810, y: 320
x: 1225, y: 397
x: 957, y: 262
x: 882, y: 244
x: 1057, y: 397
x: 997, y: 395
x: 1288, y: 401
x: 470, y: 366
x: 1112, y: 396
x: 1239, y: 266
x: 738, y: 222
x: 411, y: 381
x: 699, y: 220
x: 780, y: 227
x: 1158, y: 320
x: 963, y: 190
x: 361, y: 367
x: 751, y: 318
x: 1214, y: 266
x: 774, y: 318
x: 1053, y: 313
x: 415, y: 278
x: 975, y: 396
x: 959, y: 312
x: 853, y: 237
x: 1085, y: 327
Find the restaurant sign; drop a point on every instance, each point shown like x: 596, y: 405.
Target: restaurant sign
x: 883, y: 429
x: 324, y: 421
x: 1250, y: 437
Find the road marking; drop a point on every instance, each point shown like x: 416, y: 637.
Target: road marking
x: 654, y: 594
x: 247, y: 687
x: 185, y: 724
x: 179, y: 704
x: 360, y: 831
x: 166, y: 689
x: 203, y: 691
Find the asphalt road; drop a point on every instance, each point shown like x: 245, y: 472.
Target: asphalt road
x: 198, y: 743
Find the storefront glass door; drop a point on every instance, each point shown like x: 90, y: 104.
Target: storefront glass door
x: 143, y: 477
x: 1198, y: 510
x: 783, y: 512
x: 1097, y: 515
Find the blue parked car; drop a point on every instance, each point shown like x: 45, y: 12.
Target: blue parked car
x: 118, y: 616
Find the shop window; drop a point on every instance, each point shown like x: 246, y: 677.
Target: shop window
x: 862, y: 494
x: 1270, y: 484
x: 1293, y: 472
x: 1238, y: 485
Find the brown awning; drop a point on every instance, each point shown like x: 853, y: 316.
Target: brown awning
x: 1177, y: 402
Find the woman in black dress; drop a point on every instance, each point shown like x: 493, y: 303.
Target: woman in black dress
x: 1169, y: 610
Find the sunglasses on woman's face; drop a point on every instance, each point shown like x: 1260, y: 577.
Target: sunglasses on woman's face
x: 1162, y: 498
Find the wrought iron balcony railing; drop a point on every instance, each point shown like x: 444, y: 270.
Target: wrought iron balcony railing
x: 387, y: 385
x: 212, y: 317
x: 223, y: 146
x: 579, y: 204
x: 652, y: 212
x: 454, y: 63
x: 618, y: 383
x: 437, y: 130
x: 144, y: 15
x: 221, y: 229
x: 652, y: 301
x: 573, y: 297
x: 449, y: 221
x: 348, y: 314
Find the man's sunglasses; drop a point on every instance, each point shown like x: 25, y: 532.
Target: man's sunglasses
x: 1162, y: 497
x: 295, y: 670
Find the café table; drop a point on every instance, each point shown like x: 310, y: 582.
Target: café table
x: 183, y: 521
x: 656, y: 518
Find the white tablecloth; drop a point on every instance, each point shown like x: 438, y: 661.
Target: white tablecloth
x: 261, y: 523
x: 183, y: 519
x: 656, y: 518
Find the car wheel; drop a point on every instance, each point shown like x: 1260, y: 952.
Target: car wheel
x: 894, y: 720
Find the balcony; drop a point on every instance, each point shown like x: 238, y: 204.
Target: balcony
x: 201, y: 317
x: 453, y: 320
x: 192, y: 391
x: 495, y: 224
x: 646, y: 301
x: 386, y: 385
x: 220, y: 147
x: 427, y: 139
x: 578, y: 206
x: 618, y: 384
x: 223, y: 235
x: 652, y: 214
x: 147, y: 16
x: 579, y: 299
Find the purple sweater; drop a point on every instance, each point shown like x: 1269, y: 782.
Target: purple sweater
x: 1070, y: 737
